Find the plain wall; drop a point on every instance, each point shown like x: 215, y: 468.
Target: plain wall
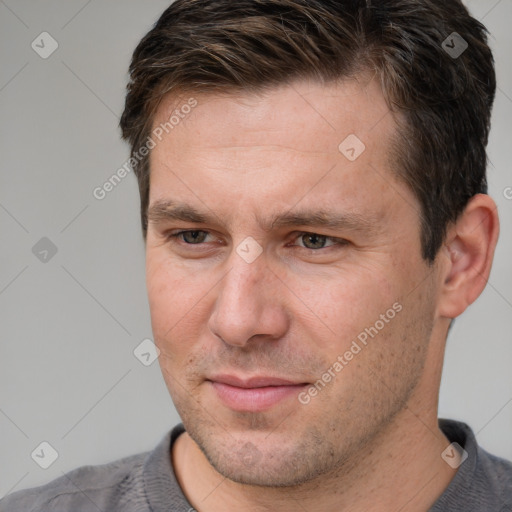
x: 69, y: 326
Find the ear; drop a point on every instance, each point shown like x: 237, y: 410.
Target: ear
x: 466, y: 256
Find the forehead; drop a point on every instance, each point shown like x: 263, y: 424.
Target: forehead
x: 288, y: 145
x: 293, y: 111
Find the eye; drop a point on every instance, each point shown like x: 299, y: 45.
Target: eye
x: 317, y: 241
x: 190, y: 237
x: 311, y: 241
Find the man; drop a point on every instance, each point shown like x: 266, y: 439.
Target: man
x: 314, y: 209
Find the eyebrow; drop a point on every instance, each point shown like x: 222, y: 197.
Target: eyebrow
x: 166, y: 210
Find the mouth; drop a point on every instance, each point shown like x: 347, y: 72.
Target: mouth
x: 255, y: 394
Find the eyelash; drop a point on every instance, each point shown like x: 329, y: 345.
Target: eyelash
x: 337, y: 241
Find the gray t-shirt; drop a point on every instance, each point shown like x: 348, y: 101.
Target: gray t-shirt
x: 146, y: 483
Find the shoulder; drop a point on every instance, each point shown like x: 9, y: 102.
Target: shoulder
x: 496, y: 472
x: 482, y: 482
x: 87, y: 488
x: 490, y: 469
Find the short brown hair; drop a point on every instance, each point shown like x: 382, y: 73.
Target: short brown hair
x: 250, y: 45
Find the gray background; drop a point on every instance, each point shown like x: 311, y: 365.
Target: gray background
x: 69, y: 326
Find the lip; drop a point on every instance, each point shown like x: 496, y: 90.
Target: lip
x: 253, y: 382
x: 254, y: 394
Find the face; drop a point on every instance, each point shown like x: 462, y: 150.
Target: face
x: 287, y: 291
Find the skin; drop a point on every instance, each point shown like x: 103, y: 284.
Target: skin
x: 369, y: 440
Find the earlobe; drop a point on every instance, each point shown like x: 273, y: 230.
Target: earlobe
x: 467, y: 255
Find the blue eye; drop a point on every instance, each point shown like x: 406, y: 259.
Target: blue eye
x: 310, y: 241
x: 191, y: 237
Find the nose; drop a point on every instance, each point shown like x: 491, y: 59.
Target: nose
x: 250, y: 303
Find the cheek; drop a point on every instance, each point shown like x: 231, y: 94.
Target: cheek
x: 178, y: 301
x: 347, y: 303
